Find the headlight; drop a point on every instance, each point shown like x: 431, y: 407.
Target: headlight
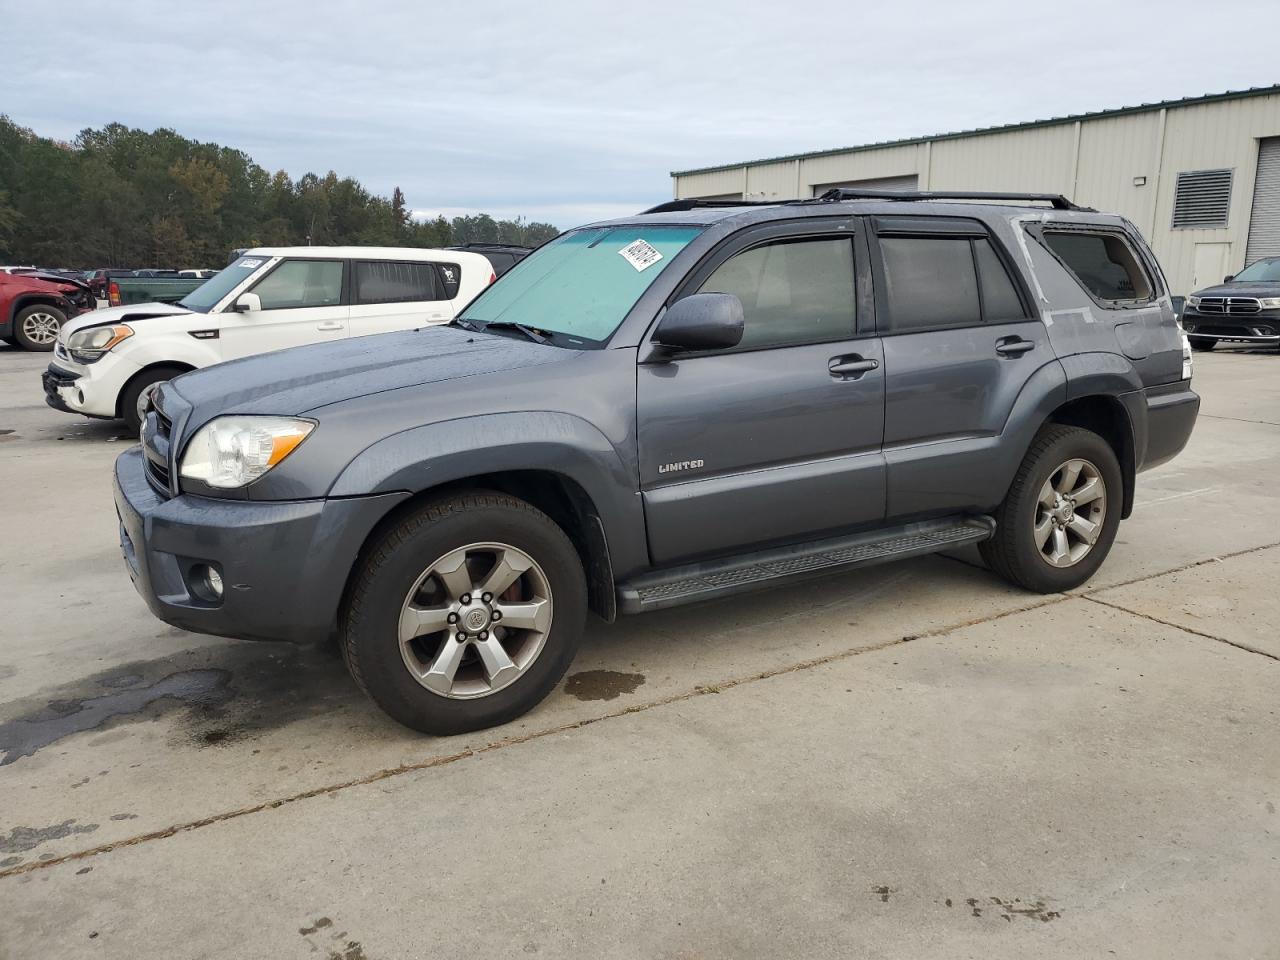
x: 231, y: 452
x: 1193, y: 301
x: 90, y: 344
x: 1269, y: 303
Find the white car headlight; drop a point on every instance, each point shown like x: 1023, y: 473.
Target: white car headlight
x: 1193, y: 301
x: 1269, y: 303
x: 90, y: 344
x: 230, y: 452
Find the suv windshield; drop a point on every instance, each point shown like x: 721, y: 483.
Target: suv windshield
x: 1264, y: 271
x: 579, y: 286
x: 204, y: 297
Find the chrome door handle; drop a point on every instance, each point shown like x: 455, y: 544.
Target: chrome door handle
x: 1014, y: 347
x: 851, y: 368
x: 329, y: 325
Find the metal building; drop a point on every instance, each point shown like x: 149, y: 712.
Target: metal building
x: 1200, y: 177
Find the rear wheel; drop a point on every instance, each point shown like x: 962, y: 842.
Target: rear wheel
x: 466, y: 614
x: 1202, y: 343
x: 137, y: 392
x: 1059, y: 519
x: 36, y: 327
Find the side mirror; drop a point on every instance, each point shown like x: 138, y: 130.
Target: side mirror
x: 704, y: 321
x: 1228, y: 278
x: 247, y: 303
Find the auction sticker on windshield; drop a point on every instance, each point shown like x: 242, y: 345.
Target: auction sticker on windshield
x: 640, y: 254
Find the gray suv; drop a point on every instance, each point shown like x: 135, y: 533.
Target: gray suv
x: 702, y: 399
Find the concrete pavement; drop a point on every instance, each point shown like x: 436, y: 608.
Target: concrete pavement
x: 786, y: 775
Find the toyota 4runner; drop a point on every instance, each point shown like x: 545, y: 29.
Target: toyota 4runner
x: 674, y: 407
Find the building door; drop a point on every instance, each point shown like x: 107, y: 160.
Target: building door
x: 904, y: 184
x: 1264, y: 222
x: 1210, y: 265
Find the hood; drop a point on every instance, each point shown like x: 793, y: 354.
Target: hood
x: 132, y: 313
x: 302, y: 379
x: 1264, y: 289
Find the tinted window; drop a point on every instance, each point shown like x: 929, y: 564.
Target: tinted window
x: 501, y: 262
x: 301, y: 283
x: 930, y: 282
x: 1000, y: 301
x: 1103, y: 263
x: 798, y: 291
x: 380, y: 281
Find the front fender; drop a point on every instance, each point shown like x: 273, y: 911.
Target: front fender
x: 170, y: 349
x: 426, y: 457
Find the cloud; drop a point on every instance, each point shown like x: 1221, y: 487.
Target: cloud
x: 570, y: 109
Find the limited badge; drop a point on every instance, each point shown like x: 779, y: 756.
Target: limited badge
x: 640, y: 254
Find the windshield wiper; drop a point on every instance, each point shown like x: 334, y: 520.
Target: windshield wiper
x: 529, y: 332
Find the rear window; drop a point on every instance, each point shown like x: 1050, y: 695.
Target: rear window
x: 378, y: 281
x: 1103, y: 263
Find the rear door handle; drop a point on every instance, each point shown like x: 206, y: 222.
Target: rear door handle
x: 1014, y: 346
x: 851, y: 367
x: 329, y: 325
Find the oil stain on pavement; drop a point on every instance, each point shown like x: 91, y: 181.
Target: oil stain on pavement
x: 602, y: 684
x: 22, y: 839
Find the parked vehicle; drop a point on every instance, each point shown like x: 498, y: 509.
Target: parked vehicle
x: 668, y: 408
x: 99, y: 279
x: 503, y: 256
x: 197, y: 274
x: 149, y: 287
x: 34, y: 306
x: 1245, y: 308
x: 269, y: 299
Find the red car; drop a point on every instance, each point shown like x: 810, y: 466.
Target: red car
x: 34, y: 306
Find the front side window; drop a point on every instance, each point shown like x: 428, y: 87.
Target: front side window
x: 206, y: 296
x: 1103, y: 263
x: 380, y: 281
x: 930, y: 282
x: 792, y: 292
x: 301, y: 283
x: 580, y: 286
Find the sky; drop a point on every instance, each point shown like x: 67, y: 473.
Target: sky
x: 568, y: 111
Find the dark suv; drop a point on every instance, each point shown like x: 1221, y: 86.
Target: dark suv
x: 1244, y: 309
x: 673, y: 407
x: 502, y: 256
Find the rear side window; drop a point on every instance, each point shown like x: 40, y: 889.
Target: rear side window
x: 1103, y: 263
x: 930, y: 282
x: 501, y: 262
x: 381, y: 281
x: 301, y: 283
x: 450, y: 275
x: 793, y: 292
x: 1000, y: 300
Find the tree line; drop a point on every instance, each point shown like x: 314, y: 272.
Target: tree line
x: 123, y: 197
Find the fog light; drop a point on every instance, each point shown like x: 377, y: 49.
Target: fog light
x: 206, y: 582
x: 1189, y: 327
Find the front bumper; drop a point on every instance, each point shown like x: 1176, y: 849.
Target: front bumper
x: 284, y: 564
x: 1258, y: 328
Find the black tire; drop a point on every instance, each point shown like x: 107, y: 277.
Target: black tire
x: 20, y: 318
x: 1199, y: 343
x: 11, y: 341
x: 1012, y: 551
x: 370, y: 616
x: 134, y: 388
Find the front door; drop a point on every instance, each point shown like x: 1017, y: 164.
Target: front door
x: 779, y: 438
x: 301, y: 302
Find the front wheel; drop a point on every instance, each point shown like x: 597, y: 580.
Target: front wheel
x: 36, y: 327
x: 137, y: 393
x: 1060, y: 516
x: 466, y: 613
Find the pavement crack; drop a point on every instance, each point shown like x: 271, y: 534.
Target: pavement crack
x: 1218, y: 416
x: 1185, y: 629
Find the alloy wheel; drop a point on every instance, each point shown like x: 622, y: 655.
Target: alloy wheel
x: 1070, y: 512
x: 475, y: 620
x: 40, y: 327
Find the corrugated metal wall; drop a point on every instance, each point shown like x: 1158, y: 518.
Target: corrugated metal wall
x: 1126, y: 164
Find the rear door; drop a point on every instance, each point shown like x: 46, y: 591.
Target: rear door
x: 960, y: 342
x: 779, y: 438
x: 399, y: 295
x: 303, y: 301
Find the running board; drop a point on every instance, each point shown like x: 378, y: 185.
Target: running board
x: 713, y: 579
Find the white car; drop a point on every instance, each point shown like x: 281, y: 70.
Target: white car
x: 107, y: 363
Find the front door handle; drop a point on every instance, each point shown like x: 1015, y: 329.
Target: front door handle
x: 1014, y: 346
x: 851, y: 367
x: 329, y: 325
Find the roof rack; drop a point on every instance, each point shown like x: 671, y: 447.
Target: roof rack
x: 1057, y: 200
x: 678, y: 206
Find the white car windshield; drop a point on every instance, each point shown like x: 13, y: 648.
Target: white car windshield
x: 206, y: 296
